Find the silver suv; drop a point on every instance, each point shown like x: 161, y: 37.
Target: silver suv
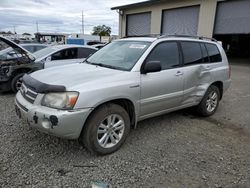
x: 129, y: 80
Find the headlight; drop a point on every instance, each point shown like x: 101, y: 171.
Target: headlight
x: 63, y: 101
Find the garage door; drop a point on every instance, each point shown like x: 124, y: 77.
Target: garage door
x: 233, y: 17
x: 138, y: 24
x: 181, y: 20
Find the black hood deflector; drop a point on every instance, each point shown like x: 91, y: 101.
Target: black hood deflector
x: 41, y: 87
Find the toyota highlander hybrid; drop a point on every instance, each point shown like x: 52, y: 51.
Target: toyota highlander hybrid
x: 128, y: 80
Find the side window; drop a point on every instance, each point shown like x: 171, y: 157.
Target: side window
x: 65, y: 54
x: 29, y: 48
x: 204, y: 53
x: 166, y: 53
x: 85, y: 52
x: 37, y: 48
x: 57, y: 56
x: 213, y: 53
x: 191, y: 53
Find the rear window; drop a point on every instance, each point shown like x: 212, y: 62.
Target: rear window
x: 213, y: 52
x: 191, y: 53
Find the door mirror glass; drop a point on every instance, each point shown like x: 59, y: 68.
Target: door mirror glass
x: 151, y: 66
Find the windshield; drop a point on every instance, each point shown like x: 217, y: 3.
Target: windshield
x: 41, y: 53
x: 120, y: 55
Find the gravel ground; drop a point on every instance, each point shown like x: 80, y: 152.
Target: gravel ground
x: 174, y: 150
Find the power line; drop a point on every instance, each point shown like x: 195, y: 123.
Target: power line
x: 37, y: 27
x: 82, y: 23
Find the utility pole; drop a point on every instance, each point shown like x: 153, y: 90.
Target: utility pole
x: 82, y: 23
x: 14, y: 29
x: 37, y: 27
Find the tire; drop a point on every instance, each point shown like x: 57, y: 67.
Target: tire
x: 16, y: 82
x: 203, y: 108
x: 99, y: 122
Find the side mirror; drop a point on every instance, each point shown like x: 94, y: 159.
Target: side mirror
x: 12, y: 53
x: 48, y: 59
x: 151, y: 66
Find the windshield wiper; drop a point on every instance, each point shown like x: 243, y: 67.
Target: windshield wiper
x: 107, y: 66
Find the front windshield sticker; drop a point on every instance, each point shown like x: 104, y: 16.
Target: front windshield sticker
x: 138, y: 46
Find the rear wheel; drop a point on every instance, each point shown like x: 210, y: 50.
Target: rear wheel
x: 17, y: 82
x: 210, y: 102
x: 106, y: 129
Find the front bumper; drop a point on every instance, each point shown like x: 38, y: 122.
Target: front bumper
x: 60, y: 123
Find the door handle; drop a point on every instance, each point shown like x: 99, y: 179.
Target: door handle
x: 179, y: 73
x: 207, y: 68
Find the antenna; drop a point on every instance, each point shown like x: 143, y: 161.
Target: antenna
x: 82, y: 23
x: 37, y: 27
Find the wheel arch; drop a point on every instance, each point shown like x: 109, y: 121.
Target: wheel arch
x: 219, y: 85
x: 126, y: 103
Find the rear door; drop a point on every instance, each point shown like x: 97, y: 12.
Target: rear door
x: 199, y: 61
x: 161, y: 91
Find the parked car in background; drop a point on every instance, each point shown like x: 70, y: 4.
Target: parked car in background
x: 10, y: 53
x: 63, y: 54
x: 12, y: 70
x: 127, y: 81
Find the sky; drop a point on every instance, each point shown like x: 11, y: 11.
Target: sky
x: 63, y: 16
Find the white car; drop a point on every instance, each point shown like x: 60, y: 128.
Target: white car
x: 63, y: 55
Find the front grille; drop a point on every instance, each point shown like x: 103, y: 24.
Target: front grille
x: 28, y: 93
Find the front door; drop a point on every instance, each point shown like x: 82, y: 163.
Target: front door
x: 63, y: 57
x: 162, y: 91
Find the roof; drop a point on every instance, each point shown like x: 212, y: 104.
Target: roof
x: 65, y: 46
x: 144, y: 3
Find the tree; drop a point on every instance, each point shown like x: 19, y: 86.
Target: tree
x: 102, y: 30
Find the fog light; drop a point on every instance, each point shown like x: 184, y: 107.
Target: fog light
x: 46, y: 123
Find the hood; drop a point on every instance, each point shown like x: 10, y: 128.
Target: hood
x: 76, y: 75
x: 17, y: 47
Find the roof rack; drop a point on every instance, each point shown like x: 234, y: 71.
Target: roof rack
x: 159, y: 36
x: 148, y: 35
x: 189, y: 36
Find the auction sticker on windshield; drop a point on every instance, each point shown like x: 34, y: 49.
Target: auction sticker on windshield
x: 137, y: 46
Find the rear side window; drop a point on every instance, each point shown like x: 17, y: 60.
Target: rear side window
x: 213, y: 53
x: 85, y: 52
x: 166, y: 53
x: 191, y: 53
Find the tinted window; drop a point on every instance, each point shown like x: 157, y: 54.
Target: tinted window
x: 85, y: 52
x: 29, y: 48
x: 204, y: 53
x: 37, y: 48
x: 191, y: 53
x: 213, y: 53
x: 166, y: 53
x: 65, y: 54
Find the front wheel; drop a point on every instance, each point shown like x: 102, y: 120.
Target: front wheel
x: 210, y: 102
x: 106, y: 129
x: 17, y: 82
